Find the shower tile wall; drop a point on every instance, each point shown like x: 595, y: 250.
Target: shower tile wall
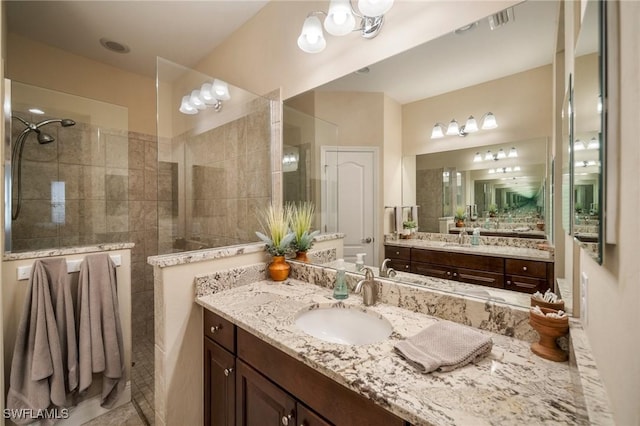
x: 92, y: 206
x: 227, y: 172
x: 429, y: 188
x: 143, y: 228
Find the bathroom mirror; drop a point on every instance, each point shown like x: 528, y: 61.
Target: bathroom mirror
x: 514, y: 187
x: 360, y: 106
x: 587, y: 141
x: 567, y: 155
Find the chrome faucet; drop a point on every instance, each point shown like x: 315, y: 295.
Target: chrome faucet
x: 385, y: 271
x: 368, y: 287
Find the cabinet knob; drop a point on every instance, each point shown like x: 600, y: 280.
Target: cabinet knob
x: 524, y: 268
x: 215, y: 328
x: 406, y: 266
x: 228, y: 371
x: 287, y: 419
x: 455, y: 274
x: 398, y: 253
x: 448, y: 273
x: 508, y: 282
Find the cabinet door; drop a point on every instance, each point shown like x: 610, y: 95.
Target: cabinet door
x: 260, y: 402
x: 219, y: 385
x: 400, y: 265
x: 306, y: 417
x: 431, y: 270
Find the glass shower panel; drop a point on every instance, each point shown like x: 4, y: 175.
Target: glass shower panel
x: 68, y: 168
x: 303, y: 136
x: 214, y: 166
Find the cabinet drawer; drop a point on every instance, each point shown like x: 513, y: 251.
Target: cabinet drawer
x: 394, y: 252
x: 431, y: 270
x: 487, y: 279
x: 220, y: 330
x: 461, y: 260
x: 400, y: 265
x: 526, y: 268
x: 525, y: 284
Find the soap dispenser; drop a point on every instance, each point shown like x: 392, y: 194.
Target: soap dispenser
x: 475, y: 237
x: 360, y: 261
x: 340, y: 289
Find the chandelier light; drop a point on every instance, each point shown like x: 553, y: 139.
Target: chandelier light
x: 488, y: 121
x: 341, y: 20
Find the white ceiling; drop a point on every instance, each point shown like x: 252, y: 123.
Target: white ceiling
x: 180, y: 31
x: 455, y: 61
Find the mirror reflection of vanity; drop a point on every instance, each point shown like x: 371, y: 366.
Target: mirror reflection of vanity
x: 521, y: 101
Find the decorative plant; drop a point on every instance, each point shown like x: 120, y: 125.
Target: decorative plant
x: 493, y: 209
x: 275, y: 225
x: 460, y: 213
x: 300, y: 217
x: 578, y: 207
x: 409, y: 224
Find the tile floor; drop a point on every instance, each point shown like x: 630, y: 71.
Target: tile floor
x: 138, y: 412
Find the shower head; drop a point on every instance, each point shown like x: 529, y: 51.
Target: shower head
x: 67, y: 122
x: 44, y: 138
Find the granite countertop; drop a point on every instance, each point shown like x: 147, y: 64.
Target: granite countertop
x: 483, y: 250
x: 510, y: 386
x: 66, y: 251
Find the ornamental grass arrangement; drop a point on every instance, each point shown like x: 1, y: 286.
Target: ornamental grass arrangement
x: 300, y: 218
x: 275, y: 226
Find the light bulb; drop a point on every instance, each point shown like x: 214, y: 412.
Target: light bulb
x: 471, y: 125
x: 488, y: 156
x: 437, y: 132
x: 186, y: 107
x: 453, y: 128
x: 374, y: 7
x: 513, y: 153
x: 489, y: 121
x: 221, y: 90
x: 195, y: 100
x: 477, y: 158
x: 501, y: 154
x: 311, y: 39
x: 340, y: 20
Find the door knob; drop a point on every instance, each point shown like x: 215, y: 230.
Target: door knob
x: 228, y: 371
x: 215, y: 328
x: 287, y: 419
x: 366, y: 240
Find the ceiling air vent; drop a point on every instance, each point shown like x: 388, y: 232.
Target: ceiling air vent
x: 501, y: 18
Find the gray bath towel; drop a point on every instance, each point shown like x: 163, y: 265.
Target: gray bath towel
x: 37, y: 372
x: 444, y: 346
x: 101, y: 347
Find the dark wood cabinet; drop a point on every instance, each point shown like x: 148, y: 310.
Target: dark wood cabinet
x: 219, y: 385
x: 260, y: 402
x: 526, y: 276
x: 248, y: 382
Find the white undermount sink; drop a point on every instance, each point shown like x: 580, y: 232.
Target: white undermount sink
x: 344, y: 324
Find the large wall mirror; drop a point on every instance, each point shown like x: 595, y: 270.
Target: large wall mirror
x: 588, y: 143
x: 382, y: 116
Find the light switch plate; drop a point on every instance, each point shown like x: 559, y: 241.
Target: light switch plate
x: 584, y: 284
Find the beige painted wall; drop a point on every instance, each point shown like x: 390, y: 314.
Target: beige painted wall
x: 520, y: 102
x: 69, y: 73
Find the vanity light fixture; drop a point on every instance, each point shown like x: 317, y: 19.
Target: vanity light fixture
x: 209, y: 95
x: 500, y: 155
x: 504, y: 170
x: 471, y: 126
x: 594, y: 143
x: 578, y: 145
x: 341, y: 20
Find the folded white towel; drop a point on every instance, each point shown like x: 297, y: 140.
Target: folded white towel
x: 444, y: 346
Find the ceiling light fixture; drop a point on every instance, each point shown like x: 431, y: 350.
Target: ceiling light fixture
x: 114, y: 46
x: 341, y: 20
x: 488, y: 121
x: 209, y: 95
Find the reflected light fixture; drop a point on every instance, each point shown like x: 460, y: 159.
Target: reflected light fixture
x: 341, y: 20
x: 209, y: 95
x: 578, y: 145
x: 471, y: 126
x: 594, y: 143
x: 490, y: 156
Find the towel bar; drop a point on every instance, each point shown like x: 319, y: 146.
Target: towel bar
x: 24, y: 272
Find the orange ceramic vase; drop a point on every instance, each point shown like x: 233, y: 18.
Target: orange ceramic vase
x: 279, y: 269
x: 301, y: 256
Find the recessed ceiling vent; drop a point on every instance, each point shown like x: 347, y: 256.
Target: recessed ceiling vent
x: 501, y: 18
x: 114, y: 46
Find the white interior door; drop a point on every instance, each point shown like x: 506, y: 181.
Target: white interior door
x: 349, y: 194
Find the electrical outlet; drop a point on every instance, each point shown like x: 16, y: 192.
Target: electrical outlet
x: 584, y: 285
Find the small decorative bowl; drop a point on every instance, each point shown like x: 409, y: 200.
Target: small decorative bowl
x: 557, y: 306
